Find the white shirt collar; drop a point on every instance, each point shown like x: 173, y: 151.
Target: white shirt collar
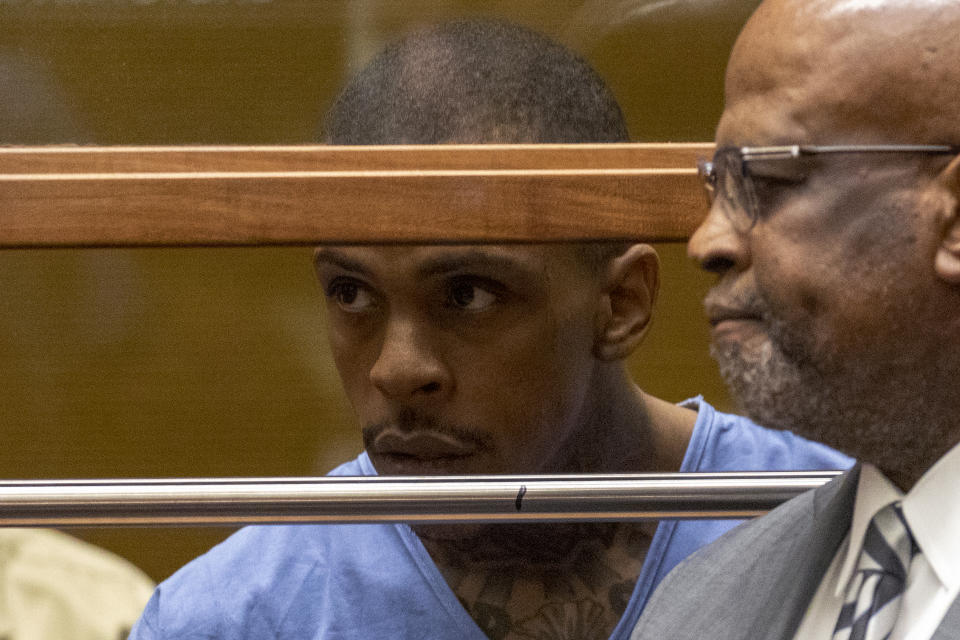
x: 932, y: 511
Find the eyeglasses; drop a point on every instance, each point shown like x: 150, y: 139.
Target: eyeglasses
x: 744, y: 178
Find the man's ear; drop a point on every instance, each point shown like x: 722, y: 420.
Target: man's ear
x: 947, y: 262
x: 630, y: 282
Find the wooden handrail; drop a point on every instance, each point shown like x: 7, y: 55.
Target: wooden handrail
x: 203, y: 196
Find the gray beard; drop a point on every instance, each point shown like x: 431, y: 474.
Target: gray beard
x: 900, y: 416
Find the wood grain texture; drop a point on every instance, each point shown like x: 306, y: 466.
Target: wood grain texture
x: 190, y: 196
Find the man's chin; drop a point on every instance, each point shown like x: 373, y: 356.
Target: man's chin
x: 450, y: 532
x: 761, y: 381
x: 388, y: 464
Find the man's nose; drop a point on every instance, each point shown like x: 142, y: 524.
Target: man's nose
x: 717, y: 245
x: 409, y: 366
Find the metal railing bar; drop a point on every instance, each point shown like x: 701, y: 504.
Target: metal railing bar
x: 356, y: 500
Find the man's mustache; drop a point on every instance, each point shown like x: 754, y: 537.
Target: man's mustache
x: 746, y: 303
x: 411, y: 420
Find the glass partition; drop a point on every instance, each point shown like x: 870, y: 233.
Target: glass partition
x: 213, y: 362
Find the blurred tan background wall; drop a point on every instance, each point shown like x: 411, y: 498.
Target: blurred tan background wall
x: 213, y: 362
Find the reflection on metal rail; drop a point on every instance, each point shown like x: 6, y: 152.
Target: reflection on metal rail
x: 235, y: 501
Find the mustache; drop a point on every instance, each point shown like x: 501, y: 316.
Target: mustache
x: 410, y: 420
x: 747, y: 302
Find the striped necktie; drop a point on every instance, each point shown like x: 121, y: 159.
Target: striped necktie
x: 873, y: 596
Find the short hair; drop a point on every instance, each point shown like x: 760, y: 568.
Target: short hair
x: 475, y: 81
x: 478, y: 81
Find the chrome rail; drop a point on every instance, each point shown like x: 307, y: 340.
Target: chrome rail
x: 433, y: 499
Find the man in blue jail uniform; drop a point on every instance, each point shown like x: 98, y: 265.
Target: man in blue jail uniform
x: 479, y: 360
x: 835, y: 235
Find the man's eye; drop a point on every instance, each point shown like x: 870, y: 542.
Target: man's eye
x: 470, y: 297
x: 771, y: 193
x: 350, y: 296
x: 793, y: 171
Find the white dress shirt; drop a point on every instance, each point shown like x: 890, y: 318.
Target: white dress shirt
x: 932, y: 511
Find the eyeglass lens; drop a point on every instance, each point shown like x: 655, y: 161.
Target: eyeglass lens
x: 733, y: 189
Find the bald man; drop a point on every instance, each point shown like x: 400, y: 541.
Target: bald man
x: 837, y: 311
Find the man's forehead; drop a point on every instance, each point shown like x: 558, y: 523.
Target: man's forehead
x: 843, y: 71
x: 760, y: 120
x: 856, y: 7
x: 426, y: 260
x: 768, y: 71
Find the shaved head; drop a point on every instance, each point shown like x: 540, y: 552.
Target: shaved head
x: 479, y: 81
x: 887, y: 70
x: 475, y: 81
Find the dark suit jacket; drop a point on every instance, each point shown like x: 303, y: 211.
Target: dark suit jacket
x: 756, y: 581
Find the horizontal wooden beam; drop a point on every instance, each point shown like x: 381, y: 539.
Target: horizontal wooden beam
x: 196, y: 196
x: 138, y: 159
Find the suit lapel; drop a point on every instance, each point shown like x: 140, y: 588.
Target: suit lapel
x: 807, y: 557
x: 949, y: 629
x: 802, y: 558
